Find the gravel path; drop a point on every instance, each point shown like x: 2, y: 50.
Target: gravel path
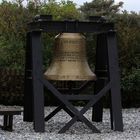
x: 79, y: 131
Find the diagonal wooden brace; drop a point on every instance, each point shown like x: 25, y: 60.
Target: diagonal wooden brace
x: 95, y: 99
x: 55, y: 111
x: 78, y: 114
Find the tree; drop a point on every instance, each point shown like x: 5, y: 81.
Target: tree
x: 128, y: 29
x: 14, y: 17
x: 12, y: 31
x: 100, y: 8
x: 62, y: 10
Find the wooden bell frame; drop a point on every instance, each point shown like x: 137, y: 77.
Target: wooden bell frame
x: 106, y: 67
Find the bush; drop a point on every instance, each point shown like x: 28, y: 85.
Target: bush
x: 130, y: 84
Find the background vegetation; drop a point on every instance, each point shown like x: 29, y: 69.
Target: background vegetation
x: 15, y: 15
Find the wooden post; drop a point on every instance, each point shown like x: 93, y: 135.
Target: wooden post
x: 101, y: 72
x: 115, y: 81
x: 28, y: 83
x: 37, y: 74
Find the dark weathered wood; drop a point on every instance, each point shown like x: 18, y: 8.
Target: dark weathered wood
x: 8, y: 117
x: 5, y: 121
x: 77, y: 114
x: 78, y: 97
x: 70, y: 26
x: 101, y: 89
x: 101, y: 72
x: 111, y: 114
x: 53, y: 113
x: 10, y: 111
x: 58, y: 95
x: 90, y: 103
x: 28, y: 83
x: 115, y: 81
x: 10, y: 122
x: 37, y: 74
x: 68, y: 111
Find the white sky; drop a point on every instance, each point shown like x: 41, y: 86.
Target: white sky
x: 129, y: 5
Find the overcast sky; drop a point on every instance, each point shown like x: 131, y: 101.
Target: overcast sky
x: 129, y: 5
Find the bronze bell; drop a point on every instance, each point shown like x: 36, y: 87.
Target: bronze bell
x: 69, y: 62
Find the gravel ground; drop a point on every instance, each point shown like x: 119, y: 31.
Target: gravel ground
x: 79, y: 131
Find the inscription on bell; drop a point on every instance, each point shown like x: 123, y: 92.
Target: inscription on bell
x: 71, y: 50
x: 69, y: 56
x: 71, y: 42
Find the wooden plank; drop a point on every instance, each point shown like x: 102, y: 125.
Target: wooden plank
x: 7, y: 111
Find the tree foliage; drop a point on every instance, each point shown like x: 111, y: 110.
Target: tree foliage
x: 128, y: 27
x: 14, y: 17
x: 100, y: 8
x: 62, y: 10
x: 128, y: 34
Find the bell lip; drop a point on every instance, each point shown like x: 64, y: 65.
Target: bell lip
x: 55, y: 78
